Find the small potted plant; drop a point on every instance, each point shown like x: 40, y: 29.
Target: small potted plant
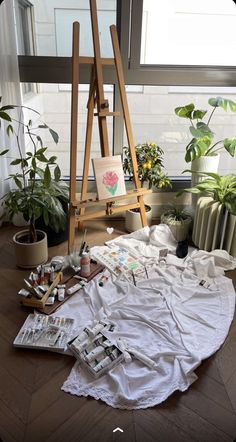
x: 151, y: 173
x: 215, y: 217
x: 178, y: 220
x: 203, y: 149
x: 37, y: 191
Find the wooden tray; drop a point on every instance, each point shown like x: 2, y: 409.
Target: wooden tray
x: 69, y: 281
x: 40, y: 303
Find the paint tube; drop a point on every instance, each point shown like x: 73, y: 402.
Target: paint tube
x: 107, y: 361
x: 98, y: 351
x: 141, y: 357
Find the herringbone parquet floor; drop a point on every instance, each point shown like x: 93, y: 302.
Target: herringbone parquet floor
x: 34, y: 409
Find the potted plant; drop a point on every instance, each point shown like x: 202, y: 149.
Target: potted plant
x: 151, y: 173
x: 178, y: 220
x: 215, y: 217
x: 203, y: 149
x: 38, y: 189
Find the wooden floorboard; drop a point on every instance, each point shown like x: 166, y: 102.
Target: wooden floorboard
x: 33, y: 408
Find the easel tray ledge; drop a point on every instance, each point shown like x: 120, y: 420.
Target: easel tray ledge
x: 93, y: 200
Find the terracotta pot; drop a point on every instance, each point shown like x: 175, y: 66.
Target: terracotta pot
x: 179, y: 229
x: 133, y: 219
x: 30, y: 255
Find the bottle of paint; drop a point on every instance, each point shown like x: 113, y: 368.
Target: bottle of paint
x: 85, y: 265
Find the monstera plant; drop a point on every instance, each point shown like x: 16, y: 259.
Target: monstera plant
x: 203, y: 141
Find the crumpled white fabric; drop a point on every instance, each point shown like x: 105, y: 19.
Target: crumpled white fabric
x: 170, y: 318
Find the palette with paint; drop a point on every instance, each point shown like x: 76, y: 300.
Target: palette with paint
x: 118, y: 260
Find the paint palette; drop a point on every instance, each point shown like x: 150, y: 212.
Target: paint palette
x: 118, y: 260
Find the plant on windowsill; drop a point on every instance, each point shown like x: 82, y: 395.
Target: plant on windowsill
x: 39, y: 191
x: 151, y: 173
x: 215, y: 218
x: 178, y: 220
x: 203, y: 149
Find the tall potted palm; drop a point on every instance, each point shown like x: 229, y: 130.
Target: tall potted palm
x: 37, y: 187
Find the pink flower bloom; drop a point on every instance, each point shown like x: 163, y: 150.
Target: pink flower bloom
x: 110, y: 179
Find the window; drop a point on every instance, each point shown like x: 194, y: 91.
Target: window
x: 153, y: 119
x: 24, y: 27
x: 158, y: 78
x: 188, y: 33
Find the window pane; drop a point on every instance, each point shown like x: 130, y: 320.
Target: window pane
x: 183, y: 32
x: 153, y: 119
x: 53, y: 26
x: 53, y: 102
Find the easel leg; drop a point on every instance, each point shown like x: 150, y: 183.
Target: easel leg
x: 88, y: 143
x: 72, y: 222
x: 143, y: 214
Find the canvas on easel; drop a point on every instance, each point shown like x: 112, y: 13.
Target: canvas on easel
x: 109, y: 176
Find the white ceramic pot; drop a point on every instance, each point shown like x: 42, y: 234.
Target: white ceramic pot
x: 179, y: 229
x: 204, y: 164
x: 133, y: 219
x: 30, y: 255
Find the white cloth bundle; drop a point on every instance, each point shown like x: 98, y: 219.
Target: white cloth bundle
x: 169, y: 318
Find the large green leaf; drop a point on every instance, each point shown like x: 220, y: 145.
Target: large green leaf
x: 57, y: 173
x: 232, y: 105
x: 9, y: 129
x: 47, y: 177
x: 185, y: 111
x: 8, y: 107
x: 54, y: 135
x: 201, y: 130
x: 3, y: 152
x: 5, y: 116
x: 229, y: 144
x: 16, y: 161
x: 224, y: 103
x: 198, y: 114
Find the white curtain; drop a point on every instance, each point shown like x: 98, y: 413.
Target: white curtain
x: 9, y: 86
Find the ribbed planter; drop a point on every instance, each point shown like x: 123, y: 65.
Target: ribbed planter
x: 179, y: 229
x: 133, y: 219
x: 213, y: 227
x: 30, y: 255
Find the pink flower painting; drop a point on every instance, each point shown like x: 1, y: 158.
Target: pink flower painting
x: 110, y: 180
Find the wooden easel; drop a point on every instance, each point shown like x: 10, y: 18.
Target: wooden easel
x: 97, y: 100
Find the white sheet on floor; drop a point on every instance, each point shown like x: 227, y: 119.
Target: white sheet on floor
x: 170, y: 318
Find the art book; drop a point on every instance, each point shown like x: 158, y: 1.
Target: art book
x: 109, y: 177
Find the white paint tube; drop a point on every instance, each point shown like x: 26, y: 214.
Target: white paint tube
x: 123, y: 347
x: 107, y: 361
x: 98, y: 327
x: 74, y: 288
x: 97, y: 351
x: 141, y: 357
x: 83, y: 335
x: 61, y: 294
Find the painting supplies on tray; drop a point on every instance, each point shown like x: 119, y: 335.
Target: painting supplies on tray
x: 39, y: 287
x: 121, y: 263
x: 91, y: 347
x: 44, y: 332
x: 46, y: 289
